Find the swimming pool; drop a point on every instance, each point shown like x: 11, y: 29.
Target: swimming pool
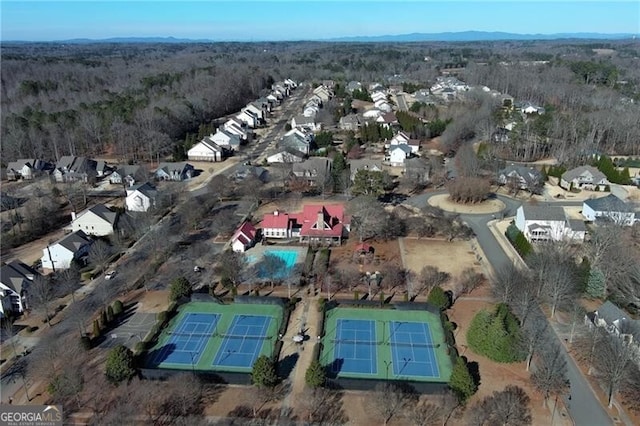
x: 289, y: 257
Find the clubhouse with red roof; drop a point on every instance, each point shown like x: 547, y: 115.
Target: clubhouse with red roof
x: 316, y: 224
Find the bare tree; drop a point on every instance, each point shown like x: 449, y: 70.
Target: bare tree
x: 507, y: 280
x: 430, y: 277
x: 550, y: 375
x: 508, y: 407
x: 614, y: 358
x: 231, y: 266
x: 40, y: 295
x: 467, y: 190
x: 99, y: 254
x: 321, y: 405
x: 272, y: 266
x: 387, y: 400
x: 369, y: 217
x: 424, y: 413
x: 535, y: 336
x: 470, y: 280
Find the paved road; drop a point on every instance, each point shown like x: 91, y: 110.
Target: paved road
x: 584, y: 408
x: 402, y: 103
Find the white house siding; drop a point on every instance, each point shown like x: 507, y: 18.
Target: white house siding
x: 138, y: 202
x: 238, y: 246
x: 276, y: 233
x: 92, y: 224
x: 588, y: 213
x: 60, y: 257
x: 201, y: 153
x: 397, y: 157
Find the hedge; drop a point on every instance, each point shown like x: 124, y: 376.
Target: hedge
x: 518, y: 240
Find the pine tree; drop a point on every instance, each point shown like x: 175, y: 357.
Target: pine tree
x: 315, y: 375
x: 461, y: 381
x: 595, y: 283
x: 263, y: 373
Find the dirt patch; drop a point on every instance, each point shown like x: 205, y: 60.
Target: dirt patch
x: 442, y: 201
x: 385, y: 253
x: 452, y: 257
x: 154, y: 301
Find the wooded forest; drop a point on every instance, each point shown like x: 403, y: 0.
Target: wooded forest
x: 136, y: 101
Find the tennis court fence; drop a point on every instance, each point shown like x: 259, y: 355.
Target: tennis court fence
x: 380, y: 342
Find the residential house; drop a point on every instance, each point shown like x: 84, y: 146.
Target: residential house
x: 306, y: 123
x: 290, y: 83
x: 349, y: 122
x: 609, y: 208
x: 521, y: 177
x: 206, y: 150
x: 15, y: 278
x: 398, y: 154
x: 365, y: 164
x: 383, y: 106
x: 353, y: 85
x: 27, y: 169
x: 281, y: 87
x: 403, y: 139
x: 257, y: 110
x: 102, y: 168
x: 63, y: 252
x: 315, y: 170
x: 247, y: 172
x: 530, y: 108
x: 286, y: 155
x: 316, y: 224
x: 311, y: 111
x: 273, y: 99
x: 224, y: 139
x: 174, y: 171
x: 128, y: 175
x: 73, y: 169
x: 141, y: 198
x: 541, y: 223
x: 315, y: 100
x: 378, y: 96
x: 297, y: 140
x: 98, y: 220
x: 584, y: 177
x: 376, y: 87
x: 244, y: 237
x: 248, y: 118
x: 387, y: 120
x: 417, y: 170
x: 500, y: 135
x: 372, y: 114
x: 237, y: 127
x: 323, y: 93
x: 615, y: 321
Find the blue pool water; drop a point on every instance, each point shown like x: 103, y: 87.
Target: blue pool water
x: 289, y: 258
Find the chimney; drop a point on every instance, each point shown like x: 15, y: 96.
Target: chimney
x: 73, y: 216
x: 320, y: 221
x: 275, y: 213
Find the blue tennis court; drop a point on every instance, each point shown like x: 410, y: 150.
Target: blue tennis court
x: 355, y: 347
x: 188, y: 339
x: 412, y: 350
x: 243, y: 342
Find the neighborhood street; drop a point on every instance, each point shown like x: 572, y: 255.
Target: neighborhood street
x: 583, y: 406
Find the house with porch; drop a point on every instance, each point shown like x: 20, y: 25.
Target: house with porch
x: 616, y: 322
x: 60, y: 255
x: 15, y: 278
x: 305, y: 123
x: 609, y: 208
x: 75, y: 169
x: 244, y: 237
x: 27, y: 169
x: 584, y: 177
x: 541, y: 223
x: 521, y: 177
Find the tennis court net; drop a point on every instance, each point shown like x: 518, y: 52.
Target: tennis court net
x: 176, y: 333
x: 245, y: 337
x: 414, y: 344
x: 356, y: 342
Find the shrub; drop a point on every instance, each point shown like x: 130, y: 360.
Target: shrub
x: 461, y: 381
x: 382, y: 298
x: 263, y: 373
x: 96, y: 329
x: 109, y: 314
x: 438, y: 297
x: 140, y: 347
x: 118, y: 308
x: 179, y: 288
x: 406, y: 297
x: 321, y: 304
x: 163, y: 317
x: 356, y: 295
x: 103, y: 318
x: 119, y: 365
x: 173, y: 306
x: 315, y: 375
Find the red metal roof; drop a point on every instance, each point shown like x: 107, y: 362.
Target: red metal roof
x: 246, y: 233
x: 333, y: 216
x: 277, y: 220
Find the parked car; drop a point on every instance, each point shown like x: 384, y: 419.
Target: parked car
x: 109, y: 275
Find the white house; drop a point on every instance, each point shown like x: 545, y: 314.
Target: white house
x: 206, y: 150
x: 256, y: 110
x: 128, y: 174
x: 547, y: 223
x: 398, y: 154
x: 403, y: 139
x: 278, y: 225
x: 306, y: 123
x: 248, y: 118
x: 609, y: 208
x: 285, y: 156
x: 618, y: 323
x: 584, y: 177
x: 237, y: 127
x: 243, y: 238
x: 141, y: 198
x: 383, y: 106
x: 310, y: 111
x: 378, y: 96
x: 521, y: 177
x: 15, y: 278
x: 60, y: 254
x: 98, y: 220
x: 529, y: 108
x: 224, y: 138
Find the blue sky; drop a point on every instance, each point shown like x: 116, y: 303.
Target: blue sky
x: 304, y: 20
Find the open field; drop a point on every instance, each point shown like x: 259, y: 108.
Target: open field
x: 452, y: 257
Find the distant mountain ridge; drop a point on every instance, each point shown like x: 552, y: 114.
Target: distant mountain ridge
x: 481, y: 36
x: 412, y: 37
